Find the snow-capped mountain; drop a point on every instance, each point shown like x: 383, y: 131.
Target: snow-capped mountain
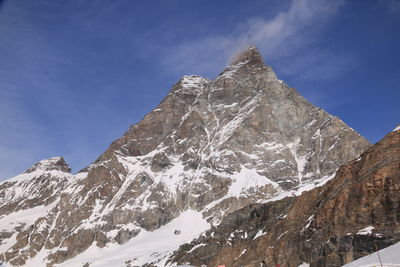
x: 210, y: 147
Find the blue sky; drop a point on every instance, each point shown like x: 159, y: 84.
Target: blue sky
x: 74, y: 75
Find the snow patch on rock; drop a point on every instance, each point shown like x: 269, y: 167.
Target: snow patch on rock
x: 366, y: 231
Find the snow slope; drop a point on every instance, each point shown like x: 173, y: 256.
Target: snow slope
x: 23, y: 217
x: 147, y: 247
x: 390, y: 256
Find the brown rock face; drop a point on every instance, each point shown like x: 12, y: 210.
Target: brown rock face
x: 352, y: 215
x: 213, y: 146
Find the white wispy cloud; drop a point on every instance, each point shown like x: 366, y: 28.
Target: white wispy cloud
x: 280, y: 37
x: 392, y: 5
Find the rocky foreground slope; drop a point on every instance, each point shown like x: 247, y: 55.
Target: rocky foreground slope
x: 211, y: 147
x: 353, y: 215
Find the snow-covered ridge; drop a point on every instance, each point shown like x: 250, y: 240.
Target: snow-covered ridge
x: 50, y: 164
x: 307, y: 186
x: 34, y: 174
x: 232, y: 69
x: 26, y: 190
x: 396, y: 129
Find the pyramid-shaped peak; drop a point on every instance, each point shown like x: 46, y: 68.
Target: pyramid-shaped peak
x: 250, y: 54
x: 51, y: 164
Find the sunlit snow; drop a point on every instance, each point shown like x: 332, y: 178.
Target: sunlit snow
x: 147, y: 247
x: 390, y: 256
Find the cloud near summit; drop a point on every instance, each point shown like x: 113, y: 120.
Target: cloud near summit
x: 281, y: 36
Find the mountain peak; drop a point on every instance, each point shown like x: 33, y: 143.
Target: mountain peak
x: 250, y: 54
x: 209, y: 148
x: 51, y: 164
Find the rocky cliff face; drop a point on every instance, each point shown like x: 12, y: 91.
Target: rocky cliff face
x: 355, y: 214
x: 211, y: 146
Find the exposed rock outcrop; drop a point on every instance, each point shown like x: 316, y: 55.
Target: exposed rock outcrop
x: 355, y: 214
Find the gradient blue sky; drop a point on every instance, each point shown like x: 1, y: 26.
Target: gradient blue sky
x: 74, y: 75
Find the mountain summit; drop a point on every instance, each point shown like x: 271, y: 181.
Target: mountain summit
x: 250, y: 54
x: 56, y: 164
x: 209, y: 148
